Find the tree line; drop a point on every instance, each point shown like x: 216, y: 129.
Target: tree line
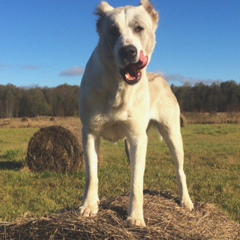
x: 35, y: 101
x: 63, y: 100
x: 218, y: 97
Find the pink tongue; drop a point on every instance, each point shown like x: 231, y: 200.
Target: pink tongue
x: 132, y: 71
x: 142, y: 60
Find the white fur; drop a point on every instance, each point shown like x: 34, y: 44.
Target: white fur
x: 112, y: 109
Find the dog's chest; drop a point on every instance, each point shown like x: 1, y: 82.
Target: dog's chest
x: 113, y: 132
x: 111, y: 124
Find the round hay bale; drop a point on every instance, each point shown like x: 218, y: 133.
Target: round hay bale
x: 183, y: 120
x: 24, y: 119
x: 54, y: 149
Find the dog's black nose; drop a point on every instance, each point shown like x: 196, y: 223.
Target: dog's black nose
x: 128, y: 53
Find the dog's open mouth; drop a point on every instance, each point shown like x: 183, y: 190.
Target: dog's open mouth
x: 132, y: 72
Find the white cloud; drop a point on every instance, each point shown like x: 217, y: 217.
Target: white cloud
x: 27, y: 67
x: 180, y: 79
x: 4, y: 66
x: 31, y: 67
x: 72, y: 72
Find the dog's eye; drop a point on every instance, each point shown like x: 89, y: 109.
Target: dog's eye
x: 114, y: 31
x: 138, y: 29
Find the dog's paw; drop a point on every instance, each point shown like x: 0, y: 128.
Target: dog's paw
x: 88, y: 210
x: 187, y: 204
x: 136, y: 222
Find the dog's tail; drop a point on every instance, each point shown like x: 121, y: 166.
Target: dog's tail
x: 127, y: 150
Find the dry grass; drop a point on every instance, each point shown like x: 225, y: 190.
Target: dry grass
x: 39, y: 122
x: 213, y: 118
x: 164, y: 218
x: 187, y: 118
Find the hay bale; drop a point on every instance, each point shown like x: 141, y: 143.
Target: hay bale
x: 6, y: 121
x: 164, y: 219
x: 183, y: 120
x: 24, y: 119
x: 55, y: 149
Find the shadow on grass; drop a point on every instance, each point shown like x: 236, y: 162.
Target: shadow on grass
x: 10, y: 165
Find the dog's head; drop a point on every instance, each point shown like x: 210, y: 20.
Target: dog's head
x: 127, y: 37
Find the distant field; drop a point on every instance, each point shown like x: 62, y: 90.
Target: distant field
x: 212, y: 166
x: 213, y: 118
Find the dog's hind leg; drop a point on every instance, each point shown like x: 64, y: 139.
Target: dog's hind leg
x: 91, y: 149
x: 170, y: 130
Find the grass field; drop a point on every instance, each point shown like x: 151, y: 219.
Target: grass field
x: 212, y: 166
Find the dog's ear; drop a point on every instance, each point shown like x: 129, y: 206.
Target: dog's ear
x: 150, y: 9
x: 103, y: 8
x: 101, y: 11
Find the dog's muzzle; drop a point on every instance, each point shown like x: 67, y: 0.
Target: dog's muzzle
x: 131, y: 74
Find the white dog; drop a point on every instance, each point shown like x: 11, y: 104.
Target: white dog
x: 119, y: 100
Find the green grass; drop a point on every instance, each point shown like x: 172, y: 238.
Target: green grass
x: 14, y: 142
x: 212, y: 166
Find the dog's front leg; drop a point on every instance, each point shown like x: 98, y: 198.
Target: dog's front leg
x: 90, y: 149
x: 138, y: 147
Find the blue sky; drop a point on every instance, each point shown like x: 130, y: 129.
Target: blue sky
x: 48, y: 42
